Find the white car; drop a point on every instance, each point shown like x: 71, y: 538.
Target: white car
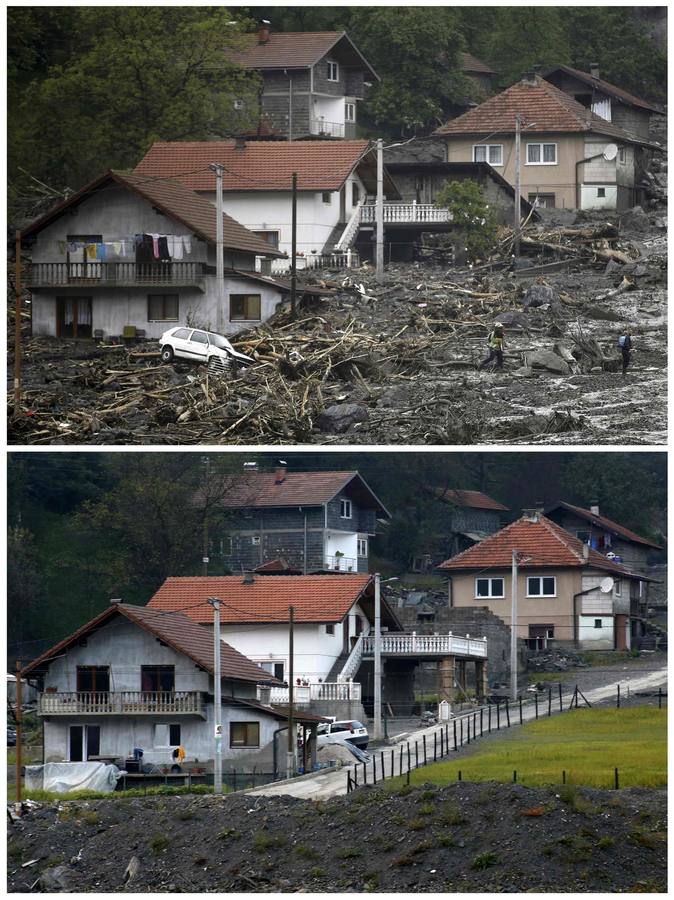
x: 200, y: 346
x: 335, y: 732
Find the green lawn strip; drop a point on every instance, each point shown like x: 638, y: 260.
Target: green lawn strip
x: 586, y: 743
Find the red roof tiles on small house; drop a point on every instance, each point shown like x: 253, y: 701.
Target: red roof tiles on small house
x: 605, y: 87
x: 470, y: 499
x: 547, y: 110
x: 541, y: 544
x: 606, y: 524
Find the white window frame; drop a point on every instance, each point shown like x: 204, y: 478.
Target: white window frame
x: 255, y: 540
x: 541, y: 595
x: 345, y: 509
x: 541, y: 145
x: 362, y: 547
x: 350, y: 106
x: 617, y: 587
x: 333, y: 70
x: 491, y: 595
x: 488, y: 148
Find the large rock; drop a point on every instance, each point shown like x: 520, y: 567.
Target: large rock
x: 635, y: 219
x: 341, y: 416
x: 540, y: 295
x: 547, y: 359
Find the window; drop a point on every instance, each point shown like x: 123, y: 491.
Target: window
x: 326, y: 197
x: 541, y: 154
x: 181, y: 333
x: 244, y: 734
x: 330, y: 629
x: 601, y: 192
x: 269, y: 237
x: 200, y: 337
x: 597, y: 623
x: 349, y: 111
x: 333, y: 71
x: 355, y: 194
x: 245, y: 307
x: 541, y: 587
x: 157, y: 678
x: 622, y: 155
x: 362, y: 547
x: 162, y: 308
x: 617, y: 587
x: 491, y: 153
x: 274, y: 668
x: 92, y: 679
x: 583, y: 536
x: 255, y: 540
x: 488, y: 587
x: 345, y: 509
x: 174, y: 734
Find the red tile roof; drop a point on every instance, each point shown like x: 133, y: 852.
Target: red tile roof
x: 471, y: 63
x: 296, y: 50
x: 606, y: 524
x: 260, y: 166
x: 541, y: 543
x: 176, y: 630
x: 470, y: 499
x: 316, y: 598
x: 260, y: 489
x: 176, y: 201
x: 606, y: 88
x: 545, y: 106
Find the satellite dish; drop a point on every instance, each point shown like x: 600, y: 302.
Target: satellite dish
x: 606, y: 585
x: 610, y: 152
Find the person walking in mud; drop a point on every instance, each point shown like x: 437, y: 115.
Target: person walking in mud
x: 496, y: 344
x: 625, y: 344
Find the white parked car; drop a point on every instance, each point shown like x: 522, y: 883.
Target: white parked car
x: 336, y: 732
x: 200, y: 346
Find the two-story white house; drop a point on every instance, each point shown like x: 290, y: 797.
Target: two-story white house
x: 138, y: 677
x: 130, y: 254
x: 333, y: 180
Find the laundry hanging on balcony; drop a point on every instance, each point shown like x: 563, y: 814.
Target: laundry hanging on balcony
x: 142, y: 247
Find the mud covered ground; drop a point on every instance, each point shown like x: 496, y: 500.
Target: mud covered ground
x: 391, y: 363
x: 465, y: 837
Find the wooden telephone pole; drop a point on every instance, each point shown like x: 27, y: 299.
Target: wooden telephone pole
x: 18, y: 306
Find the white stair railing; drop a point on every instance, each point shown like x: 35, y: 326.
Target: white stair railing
x: 350, y: 230
x: 352, y: 664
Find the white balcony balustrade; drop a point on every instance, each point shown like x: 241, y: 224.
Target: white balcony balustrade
x: 334, y: 691
x: 127, y: 703
x: 405, y: 213
x: 427, y: 644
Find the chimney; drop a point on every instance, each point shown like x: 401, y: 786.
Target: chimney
x: 264, y: 694
x: 529, y: 78
x: 531, y: 515
x: 594, y: 70
x: 263, y: 32
x: 279, y: 474
x: 250, y: 467
x: 116, y: 602
x: 248, y: 578
x: 586, y: 552
x: 594, y: 507
x: 540, y: 506
x: 239, y: 143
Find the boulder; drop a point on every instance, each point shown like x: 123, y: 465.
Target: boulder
x: 339, y: 417
x: 518, y: 319
x: 635, y: 219
x: 547, y: 359
x: 524, y: 372
x: 540, y: 295
x: 55, y: 880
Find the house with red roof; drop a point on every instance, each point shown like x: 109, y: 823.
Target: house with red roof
x: 568, y: 593
x: 312, y: 81
x: 334, y: 180
x: 302, y: 521
x: 133, y: 255
x: 139, y: 678
x: 571, y: 157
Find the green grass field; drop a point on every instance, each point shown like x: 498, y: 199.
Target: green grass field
x: 587, y: 743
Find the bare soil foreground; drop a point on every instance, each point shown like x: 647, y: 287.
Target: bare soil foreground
x: 465, y: 837
x: 395, y: 363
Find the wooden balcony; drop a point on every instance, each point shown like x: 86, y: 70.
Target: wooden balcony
x: 121, y: 703
x: 114, y: 274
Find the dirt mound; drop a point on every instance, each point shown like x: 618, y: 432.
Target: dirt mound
x: 465, y: 837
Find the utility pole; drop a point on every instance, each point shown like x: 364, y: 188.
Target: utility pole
x: 377, y: 656
x: 18, y: 304
x: 513, y: 628
x: 379, y: 211
x: 205, y: 557
x: 219, y: 246
x: 217, y: 677
x: 18, y: 718
x: 293, y: 250
x: 290, y: 762
x: 518, y: 204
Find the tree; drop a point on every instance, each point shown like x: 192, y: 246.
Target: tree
x: 526, y: 36
x: 472, y: 216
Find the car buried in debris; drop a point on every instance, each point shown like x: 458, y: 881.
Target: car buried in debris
x: 336, y: 732
x: 198, y: 345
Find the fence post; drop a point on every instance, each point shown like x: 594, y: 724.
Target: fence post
x: 560, y: 697
x: 481, y: 722
x: 563, y: 776
x: 489, y: 719
x: 455, y: 747
x: 617, y: 782
x: 374, y: 769
x: 355, y: 774
x: 618, y: 698
x: 447, y: 736
x: 520, y: 699
x: 549, y: 701
x: 461, y: 726
x: 514, y: 776
x: 459, y: 779
x: 424, y: 740
x: 498, y: 715
x: 416, y: 754
x: 364, y: 773
x: 536, y: 703
x: 442, y: 744
x: 660, y: 698
x: 507, y: 712
x: 401, y: 760
x: 435, y: 746
x: 409, y: 759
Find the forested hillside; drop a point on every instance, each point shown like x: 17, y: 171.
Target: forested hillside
x: 91, y: 87
x: 85, y: 527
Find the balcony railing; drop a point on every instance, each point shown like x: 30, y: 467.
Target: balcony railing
x: 333, y: 129
x: 427, y: 644
x: 347, y: 260
x: 406, y: 213
x: 341, y: 563
x: 331, y: 691
x: 105, y: 274
x: 127, y: 703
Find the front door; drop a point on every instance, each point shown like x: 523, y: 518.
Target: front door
x: 73, y: 317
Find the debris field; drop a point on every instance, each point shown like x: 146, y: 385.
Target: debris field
x: 396, y: 362
x: 465, y: 837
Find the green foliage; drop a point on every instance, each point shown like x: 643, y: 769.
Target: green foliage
x: 471, y: 215
x: 263, y: 841
x: 484, y: 860
x: 159, y: 843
